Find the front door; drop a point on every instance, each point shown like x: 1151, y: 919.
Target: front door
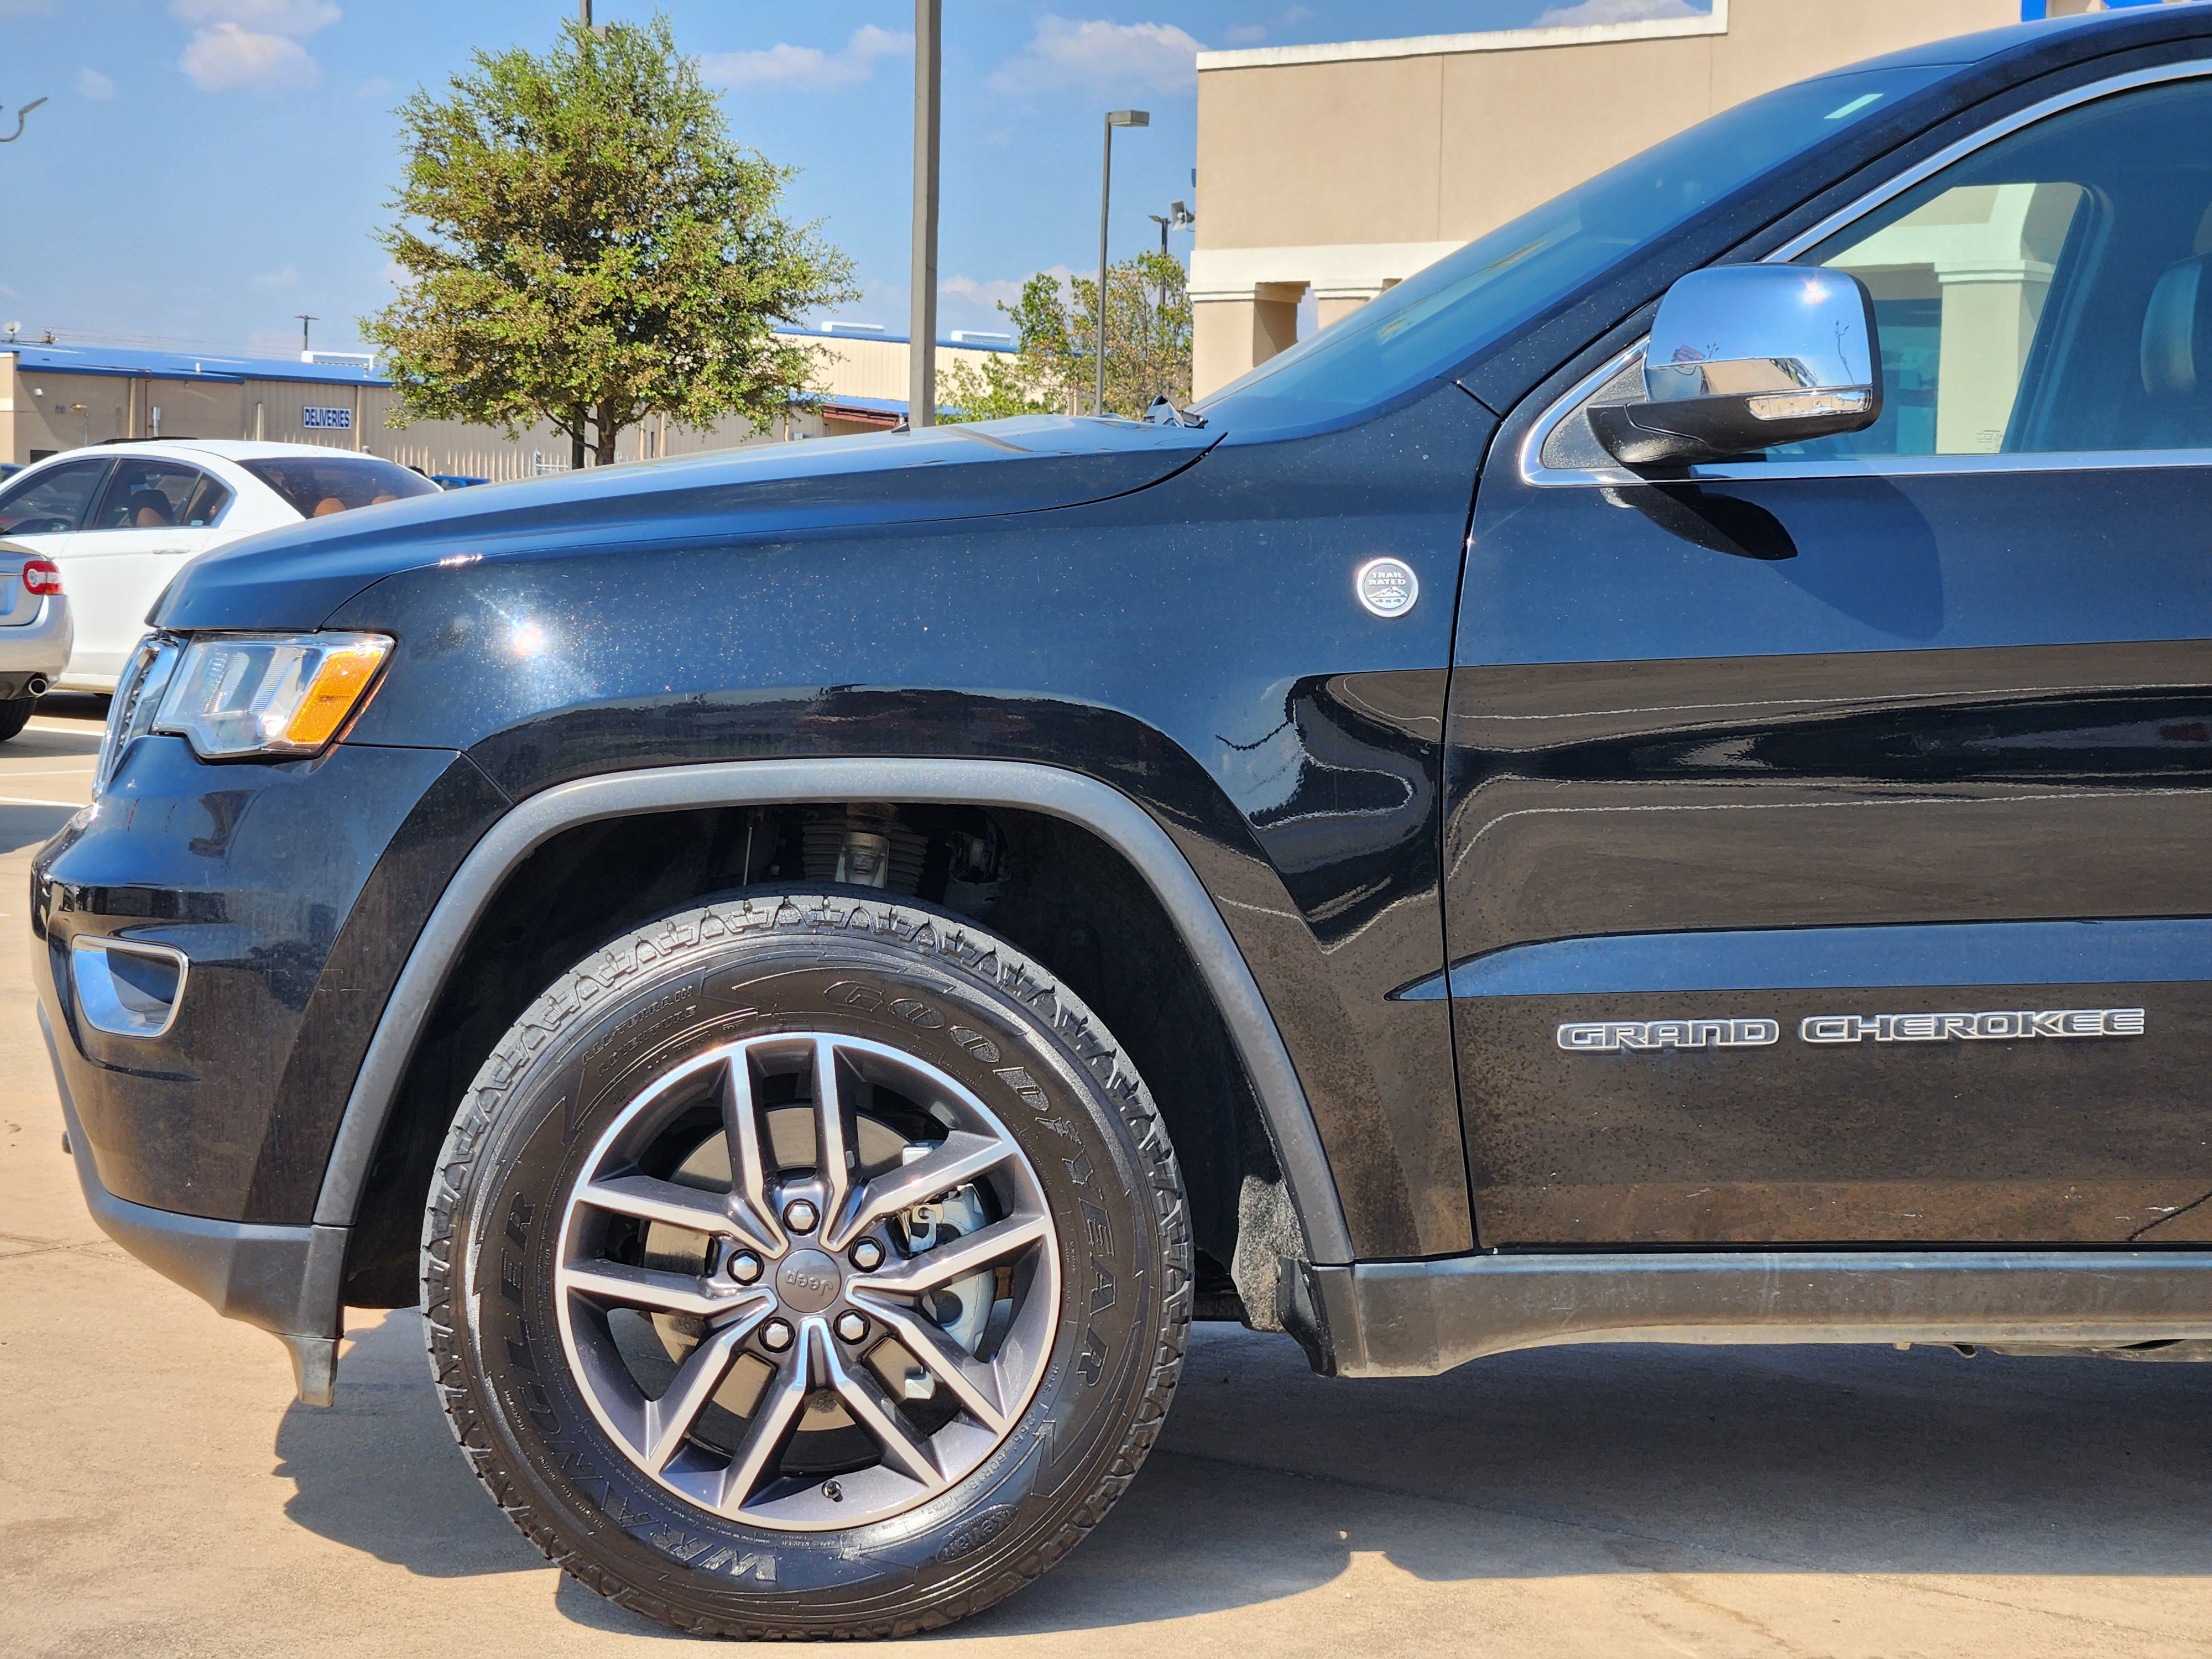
x: 43, y: 510
x: 1826, y: 856
x: 151, y: 518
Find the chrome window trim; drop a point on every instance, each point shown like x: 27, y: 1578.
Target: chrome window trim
x: 1534, y: 473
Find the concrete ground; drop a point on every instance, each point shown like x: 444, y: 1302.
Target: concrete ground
x: 161, y: 1494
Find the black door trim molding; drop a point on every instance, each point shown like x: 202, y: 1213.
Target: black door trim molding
x: 1420, y: 1318
x: 1098, y: 807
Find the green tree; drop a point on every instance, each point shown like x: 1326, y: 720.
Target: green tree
x: 584, y: 245
x: 1053, y: 371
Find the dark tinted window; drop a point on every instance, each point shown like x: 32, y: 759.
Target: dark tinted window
x: 2050, y: 292
x: 51, y: 500
x: 156, y: 495
x: 208, y: 503
x: 317, y: 487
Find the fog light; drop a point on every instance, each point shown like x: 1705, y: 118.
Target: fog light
x: 126, y: 988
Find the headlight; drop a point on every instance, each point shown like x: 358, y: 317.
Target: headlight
x: 137, y: 696
x: 242, y: 694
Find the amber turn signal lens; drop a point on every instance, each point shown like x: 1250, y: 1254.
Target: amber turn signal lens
x: 337, y: 688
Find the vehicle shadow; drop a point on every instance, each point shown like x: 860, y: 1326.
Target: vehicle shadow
x: 1268, y: 1481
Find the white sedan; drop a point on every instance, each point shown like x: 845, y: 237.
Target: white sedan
x: 121, y: 519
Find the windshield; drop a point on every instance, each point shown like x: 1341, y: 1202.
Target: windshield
x: 1433, y: 320
x: 318, y: 486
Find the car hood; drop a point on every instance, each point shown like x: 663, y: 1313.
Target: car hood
x: 296, y: 577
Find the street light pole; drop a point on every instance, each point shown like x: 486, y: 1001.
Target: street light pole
x: 922, y: 330
x: 1114, y: 118
x: 20, y: 115
x: 304, y: 320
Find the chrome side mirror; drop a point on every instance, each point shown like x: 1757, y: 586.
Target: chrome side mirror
x: 1743, y: 357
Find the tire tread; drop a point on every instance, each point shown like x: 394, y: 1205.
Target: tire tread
x: 946, y: 942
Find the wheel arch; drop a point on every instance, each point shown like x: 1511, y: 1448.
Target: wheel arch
x: 1048, y: 791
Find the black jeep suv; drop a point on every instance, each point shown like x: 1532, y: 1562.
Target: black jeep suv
x: 1648, y: 785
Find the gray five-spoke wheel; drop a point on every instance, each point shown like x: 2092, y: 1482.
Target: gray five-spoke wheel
x: 823, y: 1285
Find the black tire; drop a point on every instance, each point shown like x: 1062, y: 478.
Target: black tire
x: 758, y: 964
x: 14, y: 715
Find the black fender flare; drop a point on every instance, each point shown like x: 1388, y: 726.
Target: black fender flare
x: 1095, y: 806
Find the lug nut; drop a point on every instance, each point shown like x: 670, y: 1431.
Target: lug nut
x: 851, y: 1328
x: 798, y: 1215
x: 867, y: 1255
x: 744, y: 1266
x: 776, y: 1336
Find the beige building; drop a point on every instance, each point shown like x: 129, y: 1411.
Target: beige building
x: 60, y: 395
x: 1335, y: 171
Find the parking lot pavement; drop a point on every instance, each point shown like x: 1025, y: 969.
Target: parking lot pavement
x: 161, y: 1494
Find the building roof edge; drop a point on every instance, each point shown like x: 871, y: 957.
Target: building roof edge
x: 1430, y: 46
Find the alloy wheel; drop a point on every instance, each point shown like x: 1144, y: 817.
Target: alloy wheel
x: 836, y: 1245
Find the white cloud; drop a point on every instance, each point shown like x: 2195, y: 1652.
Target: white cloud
x: 991, y: 292
x: 283, y: 278
x: 251, y: 46
x: 969, y: 303
x: 1617, y: 11
x: 228, y: 58
x: 294, y: 17
x: 91, y: 84
x: 989, y: 295
x: 1133, y: 56
x: 806, y: 69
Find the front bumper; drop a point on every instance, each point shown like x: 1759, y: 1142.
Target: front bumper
x: 284, y: 1280
x: 294, y: 890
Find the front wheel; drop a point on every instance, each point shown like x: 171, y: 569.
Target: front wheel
x: 806, y: 1265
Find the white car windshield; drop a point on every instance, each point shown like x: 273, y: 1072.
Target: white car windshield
x: 1436, y: 319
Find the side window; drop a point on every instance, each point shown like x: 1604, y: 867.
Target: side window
x: 50, y: 502
x: 207, y: 503
x: 2046, y: 294
x: 150, y: 495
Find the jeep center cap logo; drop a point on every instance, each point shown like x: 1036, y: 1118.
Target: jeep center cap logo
x: 807, y: 1281
x: 1388, y: 587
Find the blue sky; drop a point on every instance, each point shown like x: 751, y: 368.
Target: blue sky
x: 206, y: 168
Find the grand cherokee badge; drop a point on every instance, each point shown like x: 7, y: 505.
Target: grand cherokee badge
x: 1608, y: 1037
x: 1388, y: 587
x: 2004, y: 1026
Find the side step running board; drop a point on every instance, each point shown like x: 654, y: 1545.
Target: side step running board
x: 1418, y: 1318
